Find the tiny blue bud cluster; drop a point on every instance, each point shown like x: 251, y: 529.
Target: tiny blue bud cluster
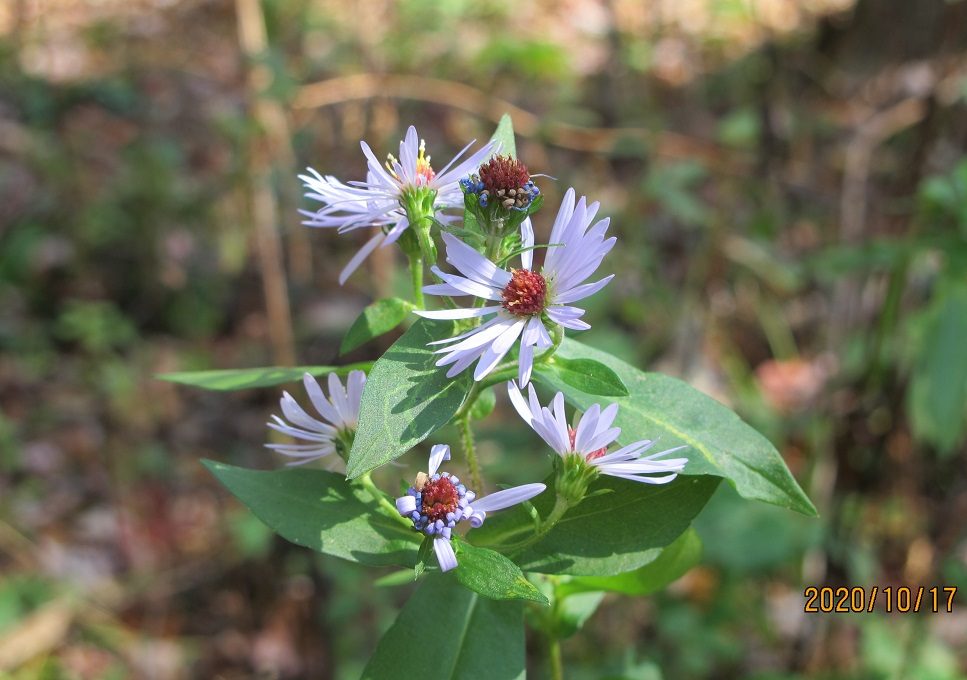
x: 439, y: 505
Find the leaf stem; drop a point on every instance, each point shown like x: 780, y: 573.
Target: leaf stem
x: 561, y: 506
x: 554, y: 656
x: 469, y: 450
x: 366, y: 481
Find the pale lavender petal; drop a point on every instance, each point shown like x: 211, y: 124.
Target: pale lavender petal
x: 318, y: 399
x: 493, y: 354
x: 459, y: 313
x: 472, y: 264
x: 405, y: 505
x: 527, y: 241
x: 358, y: 258
x: 581, y: 292
x: 438, y: 454
x: 507, y: 497
x: 445, y: 557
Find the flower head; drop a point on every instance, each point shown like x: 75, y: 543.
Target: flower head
x: 437, y: 501
x: 381, y: 201
x: 503, y: 180
x: 588, y: 439
x: 321, y: 438
x: 527, y: 300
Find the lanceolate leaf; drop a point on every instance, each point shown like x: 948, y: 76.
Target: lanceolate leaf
x: 406, y: 398
x: 624, y: 526
x: 376, y: 319
x: 938, y: 388
x: 504, y: 134
x: 322, y: 511
x: 493, y: 575
x: 248, y: 378
x: 446, y: 632
x: 587, y: 375
x: 720, y: 443
x: 669, y: 566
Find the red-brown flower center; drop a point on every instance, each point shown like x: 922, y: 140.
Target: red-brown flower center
x: 439, y: 498
x: 526, y: 294
x: 572, y: 435
x: 503, y: 173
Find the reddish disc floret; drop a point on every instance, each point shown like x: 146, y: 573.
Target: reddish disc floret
x: 439, y: 498
x: 572, y: 435
x: 503, y: 173
x: 526, y: 294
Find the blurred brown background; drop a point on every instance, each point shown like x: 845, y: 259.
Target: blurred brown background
x: 789, y: 184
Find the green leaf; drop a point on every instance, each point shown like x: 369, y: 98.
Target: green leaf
x: 938, y: 388
x: 504, y: 134
x: 447, y: 632
x: 587, y: 375
x: 407, y: 398
x: 322, y: 511
x: 493, y: 575
x: 573, y: 612
x: 484, y: 405
x: 608, y: 533
x: 248, y: 378
x: 721, y: 444
x: 378, y: 318
x: 669, y: 566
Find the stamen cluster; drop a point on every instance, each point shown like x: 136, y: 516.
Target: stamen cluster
x: 441, y: 502
x: 526, y: 294
x: 503, y: 179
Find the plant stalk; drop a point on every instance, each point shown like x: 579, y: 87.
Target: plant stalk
x: 554, y: 656
x: 416, y: 276
x: 469, y: 450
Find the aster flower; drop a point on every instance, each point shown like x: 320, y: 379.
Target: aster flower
x: 527, y: 300
x: 503, y: 180
x: 591, y: 435
x: 381, y: 200
x: 321, y: 438
x: 437, y: 501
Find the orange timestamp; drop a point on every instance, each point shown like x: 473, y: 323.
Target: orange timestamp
x: 901, y: 599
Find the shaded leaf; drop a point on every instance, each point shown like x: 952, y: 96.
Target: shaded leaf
x: 376, y: 319
x: 248, y: 378
x: 447, y: 632
x: 938, y: 388
x: 624, y: 526
x: 669, y: 566
x: 406, y: 398
x: 322, y: 511
x: 720, y: 443
x: 586, y: 375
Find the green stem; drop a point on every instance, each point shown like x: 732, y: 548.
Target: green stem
x: 561, y: 506
x: 466, y: 438
x: 554, y: 656
x: 416, y: 276
x: 366, y: 481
